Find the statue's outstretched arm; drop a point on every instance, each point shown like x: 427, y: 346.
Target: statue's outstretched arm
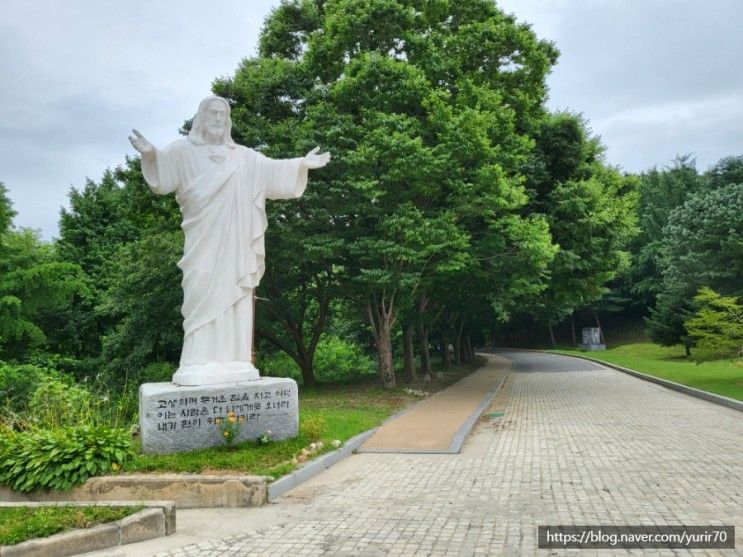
x: 315, y: 159
x: 140, y: 143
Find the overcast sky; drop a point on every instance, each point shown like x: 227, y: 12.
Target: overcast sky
x: 655, y: 78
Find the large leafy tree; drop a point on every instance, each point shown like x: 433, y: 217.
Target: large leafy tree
x: 143, y: 302
x: 702, y: 246
x: 426, y: 107
x: 661, y: 191
x: 590, y: 209
x: 103, y: 219
x: 34, y: 286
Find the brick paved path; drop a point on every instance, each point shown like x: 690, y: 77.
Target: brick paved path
x: 574, y: 447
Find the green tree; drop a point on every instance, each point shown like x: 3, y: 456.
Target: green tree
x: 717, y: 325
x: 590, y: 209
x: 726, y: 171
x: 144, y: 301
x: 425, y: 106
x: 103, y: 217
x: 33, y: 285
x: 702, y: 246
x: 703, y: 243
x: 661, y: 191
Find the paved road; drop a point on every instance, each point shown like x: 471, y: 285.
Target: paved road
x: 577, y: 444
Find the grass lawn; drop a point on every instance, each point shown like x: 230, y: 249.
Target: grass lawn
x: 18, y: 524
x: 724, y: 377
x: 338, y: 411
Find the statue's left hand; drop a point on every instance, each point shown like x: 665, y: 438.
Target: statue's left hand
x: 314, y: 159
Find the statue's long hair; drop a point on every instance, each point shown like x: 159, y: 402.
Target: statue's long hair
x: 196, y: 135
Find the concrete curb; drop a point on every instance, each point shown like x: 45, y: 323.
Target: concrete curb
x: 188, y: 491
x: 691, y: 391
x: 156, y: 520
x: 314, y: 467
x: 460, y: 435
x: 464, y: 430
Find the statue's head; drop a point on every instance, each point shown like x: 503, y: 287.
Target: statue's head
x: 212, y: 123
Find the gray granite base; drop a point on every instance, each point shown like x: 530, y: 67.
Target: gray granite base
x: 592, y: 347
x: 184, y: 418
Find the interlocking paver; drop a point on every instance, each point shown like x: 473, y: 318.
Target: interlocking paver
x: 573, y: 447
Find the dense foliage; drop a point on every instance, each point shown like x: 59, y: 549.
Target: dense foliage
x: 61, y: 458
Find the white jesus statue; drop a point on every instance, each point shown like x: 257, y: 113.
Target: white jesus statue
x: 221, y: 188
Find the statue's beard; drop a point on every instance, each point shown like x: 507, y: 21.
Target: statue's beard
x: 215, y: 130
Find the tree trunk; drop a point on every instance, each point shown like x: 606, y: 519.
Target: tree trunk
x: 458, y: 347
x: 552, y: 336
x: 308, y: 373
x: 445, y: 357
x: 407, y: 349
x: 468, y: 349
x: 601, y: 330
x: 572, y: 329
x: 381, y: 320
x: 384, y: 350
x: 425, y: 354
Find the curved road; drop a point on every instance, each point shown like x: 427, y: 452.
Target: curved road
x: 577, y: 444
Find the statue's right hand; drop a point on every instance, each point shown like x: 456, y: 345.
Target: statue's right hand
x: 140, y: 143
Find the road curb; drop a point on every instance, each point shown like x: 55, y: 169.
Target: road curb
x: 464, y: 430
x: 315, y: 466
x: 157, y: 519
x: 685, y: 389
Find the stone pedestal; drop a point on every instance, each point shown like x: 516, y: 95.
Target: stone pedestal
x: 183, y: 418
x: 592, y: 340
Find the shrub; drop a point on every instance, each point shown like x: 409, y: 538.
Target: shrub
x: 57, y: 403
x: 717, y: 326
x: 156, y: 372
x: 17, y: 385
x: 279, y: 364
x: 336, y: 361
x: 61, y: 458
x: 340, y: 361
x: 313, y: 427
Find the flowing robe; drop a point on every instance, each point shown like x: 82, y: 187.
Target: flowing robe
x: 221, y: 191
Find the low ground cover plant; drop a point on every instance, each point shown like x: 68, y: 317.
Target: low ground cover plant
x: 18, y: 524
x: 61, y: 458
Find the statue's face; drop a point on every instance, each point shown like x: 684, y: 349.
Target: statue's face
x: 216, y: 119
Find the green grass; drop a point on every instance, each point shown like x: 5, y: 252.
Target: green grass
x: 724, y: 377
x: 18, y: 524
x: 343, y: 410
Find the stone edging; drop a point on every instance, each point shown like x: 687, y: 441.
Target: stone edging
x: 691, y: 391
x: 464, y: 430
x: 156, y: 520
x: 317, y: 465
x: 313, y: 467
x: 187, y: 491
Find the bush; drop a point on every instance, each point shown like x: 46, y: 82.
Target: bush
x: 61, y: 458
x: 336, y: 361
x: 157, y: 372
x: 340, y: 361
x: 717, y: 326
x: 17, y: 385
x: 313, y: 427
x: 279, y: 364
x: 56, y: 402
